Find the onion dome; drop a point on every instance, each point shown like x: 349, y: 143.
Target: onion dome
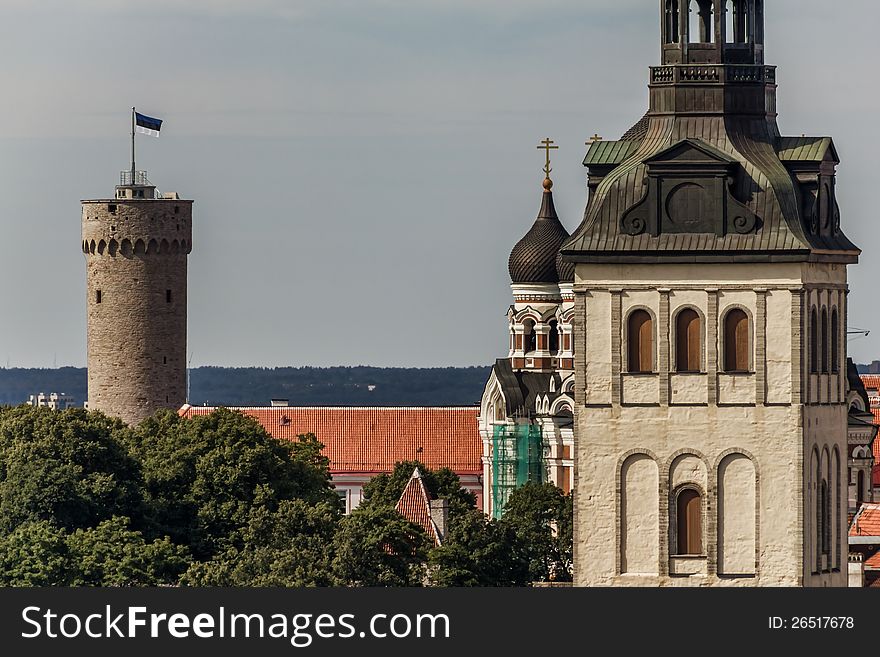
x: 564, y: 269
x: 534, y: 258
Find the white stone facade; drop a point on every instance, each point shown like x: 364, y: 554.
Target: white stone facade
x: 762, y: 450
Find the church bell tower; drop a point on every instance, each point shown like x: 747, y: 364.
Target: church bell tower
x: 710, y: 321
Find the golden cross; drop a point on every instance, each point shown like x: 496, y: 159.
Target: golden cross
x: 594, y: 139
x: 547, y: 145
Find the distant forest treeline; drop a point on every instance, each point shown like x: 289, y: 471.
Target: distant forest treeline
x: 303, y: 386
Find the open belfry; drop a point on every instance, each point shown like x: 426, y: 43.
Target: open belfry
x: 710, y: 306
x: 136, y: 246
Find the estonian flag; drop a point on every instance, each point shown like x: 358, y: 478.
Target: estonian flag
x: 147, y: 125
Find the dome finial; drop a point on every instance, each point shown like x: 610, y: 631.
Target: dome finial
x: 547, y: 146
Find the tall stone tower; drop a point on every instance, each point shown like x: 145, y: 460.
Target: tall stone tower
x: 710, y: 330
x: 136, y: 246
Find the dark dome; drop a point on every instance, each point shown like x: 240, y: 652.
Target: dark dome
x: 564, y: 269
x: 533, y: 259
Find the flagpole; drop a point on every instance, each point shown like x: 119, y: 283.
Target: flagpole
x: 132, y: 146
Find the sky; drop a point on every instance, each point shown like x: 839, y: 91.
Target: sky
x: 361, y: 168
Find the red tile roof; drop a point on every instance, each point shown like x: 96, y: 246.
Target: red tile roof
x: 373, y: 440
x: 867, y: 521
x: 873, y: 563
x: 871, y: 380
x: 415, y: 506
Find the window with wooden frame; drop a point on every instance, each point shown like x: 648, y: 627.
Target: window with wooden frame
x: 737, y: 342
x: 688, y: 341
x: 640, y: 342
x: 814, y: 342
x: 835, y: 342
x: 689, y: 522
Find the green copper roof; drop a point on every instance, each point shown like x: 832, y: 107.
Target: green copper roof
x: 806, y: 149
x: 610, y: 152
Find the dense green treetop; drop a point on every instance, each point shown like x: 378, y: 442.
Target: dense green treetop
x: 71, y: 468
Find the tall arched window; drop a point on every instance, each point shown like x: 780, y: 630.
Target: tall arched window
x: 701, y: 23
x: 759, y: 21
x: 640, y: 342
x: 835, y: 342
x: 729, y: 29
x: 688, y: 341
x: 530, y: 339
x: 689, y: 519
x: 736, y: 341
x: 824, y: 334
x: 814, y: 341
x: 824, y: 520
x: 672, y: 21
x: 554, y: 337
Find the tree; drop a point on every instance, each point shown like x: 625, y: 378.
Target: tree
x: 70, y: 468
x: 111, y: 554
x: 385, y: 489
x: 203, y: 476
x: 290, y: 547
x: 479, y: 552
x: 542, y: 517
x: 34, y: 554
x: 376, y: 546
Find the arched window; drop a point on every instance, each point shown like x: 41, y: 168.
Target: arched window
x: 729, y: 29
x: 814, y: 342
x: 688, y: 341
x: 824, y: 519
x: 759, y: 21
x: 860, y: 487
x: 835, y: 342
x: 640, y: 342
x: 701, y: 23
x: 736, y: 341
x: 689, y: 519
x: 672, y: 21
x: 530, y: 339
x: 554, y: 337
x: 824, y: 333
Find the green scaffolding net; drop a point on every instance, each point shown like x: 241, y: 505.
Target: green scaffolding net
x: 517, y: 457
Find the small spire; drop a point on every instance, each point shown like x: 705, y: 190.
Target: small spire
x: 548, y: 145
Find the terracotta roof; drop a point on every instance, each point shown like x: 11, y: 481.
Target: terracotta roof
x: 373, y: 440
x: 872, y: 384
x: 415, y: 506
x: 867, y: 521
x: 873, y: 563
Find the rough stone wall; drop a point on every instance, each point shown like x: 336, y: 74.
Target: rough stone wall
x: 740, y: 438
x: 136, y: 271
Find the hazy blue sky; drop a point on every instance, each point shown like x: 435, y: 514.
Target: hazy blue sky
x: 361, y: 168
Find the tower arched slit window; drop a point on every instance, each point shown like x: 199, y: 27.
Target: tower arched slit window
x: 737, y: 342
x: 835, y: 342
x: 554, y: 337
x: 688, y: 341
x: 640, y: 342
x: 825, y: 346
x: 814, y: 341
x: 530, y: 338
x: 672, y: 21
x: 689, y: 522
